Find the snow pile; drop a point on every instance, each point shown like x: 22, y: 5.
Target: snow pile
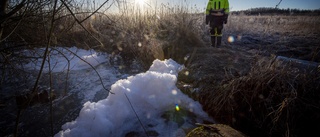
x: 161, y: 107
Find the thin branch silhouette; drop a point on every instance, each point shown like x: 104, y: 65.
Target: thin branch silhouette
x: 92, y: 68
x: 278, y: 4
x: 79, y: 22
x: 145, y: 131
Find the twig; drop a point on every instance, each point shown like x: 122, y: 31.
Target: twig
x: 46, y: 52
x: 47, y: 48
x: 145, y: 131
x: 68, y: 70
x: 94, y: 11
x: 15, y: 27
x: 63, y: 2
x: 92, y: 68
x: 278, y: 4
x: 58, y: 18
x: 12, y: 12
x: 50, y: 94
x: 273, y: 61
x: 23, y: 14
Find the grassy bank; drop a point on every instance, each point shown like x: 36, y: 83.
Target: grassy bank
x: 272, y: 100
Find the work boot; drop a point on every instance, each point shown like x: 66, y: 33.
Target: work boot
x: 219, y: 38
x: 213, y: 41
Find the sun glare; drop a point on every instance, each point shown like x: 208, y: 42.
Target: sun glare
x: 140, y: 2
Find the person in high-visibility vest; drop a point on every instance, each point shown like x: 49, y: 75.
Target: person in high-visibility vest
x: 217, y: 14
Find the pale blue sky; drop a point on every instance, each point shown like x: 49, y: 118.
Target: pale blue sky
x: 235, y: 5
x: 247, y: 4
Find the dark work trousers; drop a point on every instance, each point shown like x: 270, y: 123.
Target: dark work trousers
x: 216, y: 24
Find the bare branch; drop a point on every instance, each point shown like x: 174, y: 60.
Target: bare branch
x: 145, y: 131
x: 92, y: 68
x: 94, y: 11
x: 16, y: 26
x: 68, y: 70
x: 48, y: 46
x: 15, y: 10
x: 62, y: 1
x: 278, y: 4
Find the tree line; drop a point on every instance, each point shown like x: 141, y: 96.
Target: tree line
x: 277, y: 11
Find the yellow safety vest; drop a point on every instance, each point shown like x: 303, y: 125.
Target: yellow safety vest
x: 217, y: 6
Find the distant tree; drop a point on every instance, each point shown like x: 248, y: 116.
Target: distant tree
x: 277, y: 11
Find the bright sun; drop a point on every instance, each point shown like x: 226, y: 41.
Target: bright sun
x: 140, y: 2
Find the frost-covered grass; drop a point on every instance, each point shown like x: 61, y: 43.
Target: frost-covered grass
x: 154, y: 34
x: 175, y: 34
x: 270, y: 25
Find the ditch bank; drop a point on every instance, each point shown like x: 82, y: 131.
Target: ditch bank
x: 257, y: 94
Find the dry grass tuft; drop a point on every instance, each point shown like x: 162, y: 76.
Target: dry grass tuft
x: 272, y: 100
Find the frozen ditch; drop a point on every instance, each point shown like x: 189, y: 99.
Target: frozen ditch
x: 148, y: 103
